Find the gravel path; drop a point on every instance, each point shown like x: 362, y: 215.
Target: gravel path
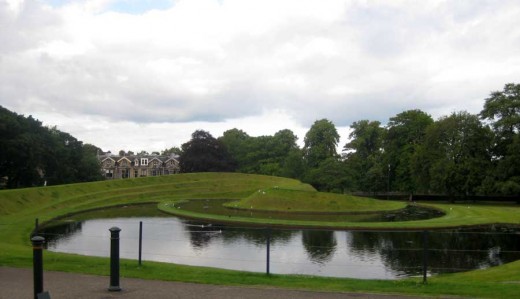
x: 18, y: 283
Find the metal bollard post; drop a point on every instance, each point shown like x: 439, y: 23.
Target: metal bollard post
x: 37, y: 243
x: 140, y: 241
x: 425, y: 256
x: 268, y: 250
x: 114, y: 259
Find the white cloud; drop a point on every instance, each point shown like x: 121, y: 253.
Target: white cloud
x: 224, y: 64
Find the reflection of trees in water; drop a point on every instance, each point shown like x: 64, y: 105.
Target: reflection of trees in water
x: 53, y: 234
x: 257, y: 236
x: 448, y: 251
x: 320, y: 245
x: 201, y: 234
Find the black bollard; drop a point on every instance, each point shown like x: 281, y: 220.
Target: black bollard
x: 140, y: 241
x: 114, y: 259
x: 268, y: 250
x: 425, y: 256
x: 37, y: 243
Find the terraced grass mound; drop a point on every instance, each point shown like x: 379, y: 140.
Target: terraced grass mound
x: 286, y: 200
x: 51, y: 201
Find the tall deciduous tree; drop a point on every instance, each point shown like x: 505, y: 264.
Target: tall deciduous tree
x: 31, y: 154
x: 271, y: 155
x: 508, y: 170
x: 320, y: 142
x: 405, y: 132
x: 502, y: 109
x: 363, y: 156
x: 204, y: 153
x: 455, y: 157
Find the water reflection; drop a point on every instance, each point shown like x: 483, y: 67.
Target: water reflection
x: 320, y: 245
x: 359, y: 254
x: 448, y: 251
x: 61, y: 232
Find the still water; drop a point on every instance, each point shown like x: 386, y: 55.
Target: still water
x: 356, y: 254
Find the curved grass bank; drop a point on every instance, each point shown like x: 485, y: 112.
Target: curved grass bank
x: 19, y: 208
x: 304, y: 201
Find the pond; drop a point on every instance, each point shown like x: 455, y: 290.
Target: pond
x: 356, y: 254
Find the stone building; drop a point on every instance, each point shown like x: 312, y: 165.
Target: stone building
x: 133, y: 166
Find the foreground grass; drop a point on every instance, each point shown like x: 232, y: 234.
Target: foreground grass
x: 454, y: 285
x: 19, y: 208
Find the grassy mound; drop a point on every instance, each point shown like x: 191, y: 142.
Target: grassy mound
x: 56, y: 200
x: 287, y: 200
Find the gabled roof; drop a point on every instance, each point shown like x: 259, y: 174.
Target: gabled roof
x: 124, y: 158
x: 108, y: 158
x: 172, y: 158
x: 131, y: 158
x: 154, y: 158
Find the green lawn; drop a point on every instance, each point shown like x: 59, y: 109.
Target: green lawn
x: 290, y: 200
x: 19, y: 208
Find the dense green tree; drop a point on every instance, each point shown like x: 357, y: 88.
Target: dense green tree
x: 363, y: 156
x: 94, y: 150
x: 264, y: 154
x: 507, y: 180
x: 455, y: 157
x: 366, y: 138
x: 321, y: 165
x: 204, y: 153
x: 320, y: 143
x: 404, y: 133
x: 502, y: 109
x: 293, y: 165
x: 330, y: 175
x: 31, y: 155
x: 235, y: 141
x: 239, y: 145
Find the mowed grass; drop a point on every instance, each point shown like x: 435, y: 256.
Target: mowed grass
x: 308, y: 201
x: 19, y: 208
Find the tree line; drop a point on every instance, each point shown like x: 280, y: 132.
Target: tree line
x: 458, y: 154
x: 34, y: 155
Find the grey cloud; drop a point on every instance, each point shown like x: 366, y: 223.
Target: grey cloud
x: 383, y: 59
x: 21, y: 30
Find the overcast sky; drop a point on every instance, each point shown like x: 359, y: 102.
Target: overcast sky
x: 144, y: 74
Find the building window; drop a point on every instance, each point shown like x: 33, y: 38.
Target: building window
x: 144, y: 161
x: 144, y: 172
x: 136, y: 162
x: 136, y: 173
